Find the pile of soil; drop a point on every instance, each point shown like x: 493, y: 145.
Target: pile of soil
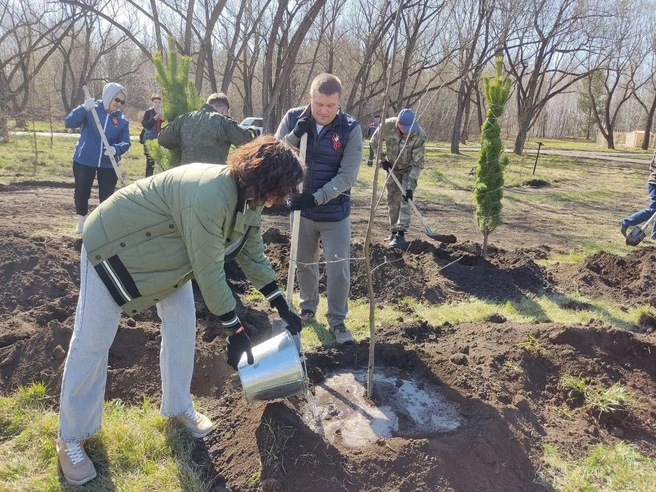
x: 509, y: 392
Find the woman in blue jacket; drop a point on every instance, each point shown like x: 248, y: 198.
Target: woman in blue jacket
x: 90, y: 156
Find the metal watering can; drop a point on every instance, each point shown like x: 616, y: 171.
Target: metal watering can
x: 277, y: 371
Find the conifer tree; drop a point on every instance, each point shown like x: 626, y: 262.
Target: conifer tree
x: 489, y: 173
x: 179, y: 96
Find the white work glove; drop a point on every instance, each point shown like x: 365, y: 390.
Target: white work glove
x: 110, y: 151
x: 89, y: 104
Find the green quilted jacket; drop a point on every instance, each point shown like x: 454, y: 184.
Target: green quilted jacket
x: 149, y: 238
x: 204, y: 136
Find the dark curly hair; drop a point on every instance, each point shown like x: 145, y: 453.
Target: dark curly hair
x: 266, y: 169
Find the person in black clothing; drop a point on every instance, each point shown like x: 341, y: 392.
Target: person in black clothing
x: 152, y: 123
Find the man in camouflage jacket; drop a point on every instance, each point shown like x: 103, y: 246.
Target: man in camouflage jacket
x: 404, y: 156
x: 205, y: 135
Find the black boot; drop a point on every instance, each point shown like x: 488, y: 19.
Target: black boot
x: 398, y: 240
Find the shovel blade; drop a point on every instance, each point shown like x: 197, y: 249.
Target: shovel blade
x: 443, y: 238
x: 634, y: 237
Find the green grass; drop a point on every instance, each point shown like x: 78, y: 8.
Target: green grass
x: 54, y: 160
x: 533, y: 346
x: 137, y: 449
x: 545, y: 307
x: 616, y: 400
x: 592, y: 195
x: 59, y: 127
x: 604, y: 469
x: 576, y: 386
x: 318, y: 333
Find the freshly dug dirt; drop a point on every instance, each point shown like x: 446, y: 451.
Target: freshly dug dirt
x: 509, y: 392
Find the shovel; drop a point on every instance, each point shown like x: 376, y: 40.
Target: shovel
x: 102, y: 135
x: 279, y: 326
x: 637, y: 234
x: 443, y: 238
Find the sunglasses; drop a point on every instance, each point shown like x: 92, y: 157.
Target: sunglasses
x: 119, y: 100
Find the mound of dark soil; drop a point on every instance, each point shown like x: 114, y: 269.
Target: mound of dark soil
x: 628, y: 279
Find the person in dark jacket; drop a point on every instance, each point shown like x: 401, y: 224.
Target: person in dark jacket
x: 142, y: 248
x: 334, y: 155
x: 152, y: 124
x: 90, y: 157
x: 645, y: 214
x: 207, y: 134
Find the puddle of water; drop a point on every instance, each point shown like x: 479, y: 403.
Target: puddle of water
x: 341, y: 412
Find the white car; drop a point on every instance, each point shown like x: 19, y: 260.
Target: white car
x: 252, y: 121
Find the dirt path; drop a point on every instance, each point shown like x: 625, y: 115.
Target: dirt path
x: 510, y: 399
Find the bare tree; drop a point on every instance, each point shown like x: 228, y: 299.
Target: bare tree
x: 472, y: 28
x: 242, y: 39
x: 91, y: 55
x: 369, y: 22
x: 618, y: 72
x: 545, y: 54
x: 29, y: 35
x: 647, y: 97
x: 283, y: 44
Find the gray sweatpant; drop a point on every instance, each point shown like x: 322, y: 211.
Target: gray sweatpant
x: 400, y: 211
x: 336, y: 243
x: 85, y: 371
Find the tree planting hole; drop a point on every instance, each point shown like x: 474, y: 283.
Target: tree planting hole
x: 536, y: 183
x: 411, y: 408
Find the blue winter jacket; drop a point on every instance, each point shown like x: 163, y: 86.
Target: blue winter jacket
x: 89, y: 150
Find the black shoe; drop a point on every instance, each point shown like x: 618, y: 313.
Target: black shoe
x: 398, y: 240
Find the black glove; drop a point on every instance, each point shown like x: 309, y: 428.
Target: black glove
x: 386, y: 165
x: 236, y: 345
x: 303, y: 201
x: 293, y: 320
x: 408, y: 195
x: 303, y: 126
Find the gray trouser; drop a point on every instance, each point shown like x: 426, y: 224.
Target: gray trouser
x: 400, y: 211
x: 336, y: 243
x: 85, y: 371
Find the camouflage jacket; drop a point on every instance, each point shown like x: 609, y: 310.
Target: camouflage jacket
x: 408, y: 154
x: 204, y: 136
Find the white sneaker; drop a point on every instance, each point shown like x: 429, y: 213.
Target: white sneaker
x: 75, y: 463
x: 80, y: 224
x: 195, y: 422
